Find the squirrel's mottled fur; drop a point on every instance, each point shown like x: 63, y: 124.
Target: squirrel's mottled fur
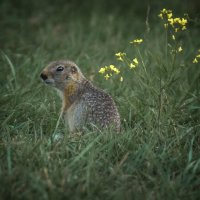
x: 83, y: 103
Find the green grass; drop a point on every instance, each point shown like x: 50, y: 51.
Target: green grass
x: 157, y: 154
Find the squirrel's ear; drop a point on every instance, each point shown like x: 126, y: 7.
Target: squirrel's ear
x: 73, y: 69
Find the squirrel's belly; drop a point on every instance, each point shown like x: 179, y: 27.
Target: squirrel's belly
x: 75, y: 116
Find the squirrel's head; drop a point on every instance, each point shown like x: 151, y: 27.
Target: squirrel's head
x: 59, y: 74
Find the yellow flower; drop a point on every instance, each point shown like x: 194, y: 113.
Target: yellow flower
x: 136, y: 41
x: 195, y: 61
x: 135, y: 60
x: 180, y: 49
x: 164, y: 11
x: 169, y: 15
x: 113, y: 68
x: 173, y: 37
x: 198, y: 56
x: 165, y: 25
x: 102, y: 70
x: 183, y: 22
x: 107, y: 76
x: 116, y: 71
x: 177, y: 20
x: 183, y: 28
x: 176, y: 30
x: 171, y: 21
x: 176, y: 23
x: 121, y: 79
x: 120, y: 56
x: 132, y: 65
x: 160, y: 15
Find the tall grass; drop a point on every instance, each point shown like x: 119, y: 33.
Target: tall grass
x: 157, y: 154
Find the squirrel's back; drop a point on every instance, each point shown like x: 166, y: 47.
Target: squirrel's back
x: 100, y: 107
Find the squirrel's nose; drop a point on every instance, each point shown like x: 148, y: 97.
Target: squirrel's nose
x: 43, y: 76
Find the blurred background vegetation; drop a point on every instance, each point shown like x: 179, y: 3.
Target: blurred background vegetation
x: 29, y: 25
x: 157, y: 157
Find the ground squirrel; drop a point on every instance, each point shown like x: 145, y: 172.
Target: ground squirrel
x: 83, y: 103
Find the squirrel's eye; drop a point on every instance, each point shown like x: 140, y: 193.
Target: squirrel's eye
x: 60, y: 68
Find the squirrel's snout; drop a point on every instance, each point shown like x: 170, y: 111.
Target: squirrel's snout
x: 43, y: 76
